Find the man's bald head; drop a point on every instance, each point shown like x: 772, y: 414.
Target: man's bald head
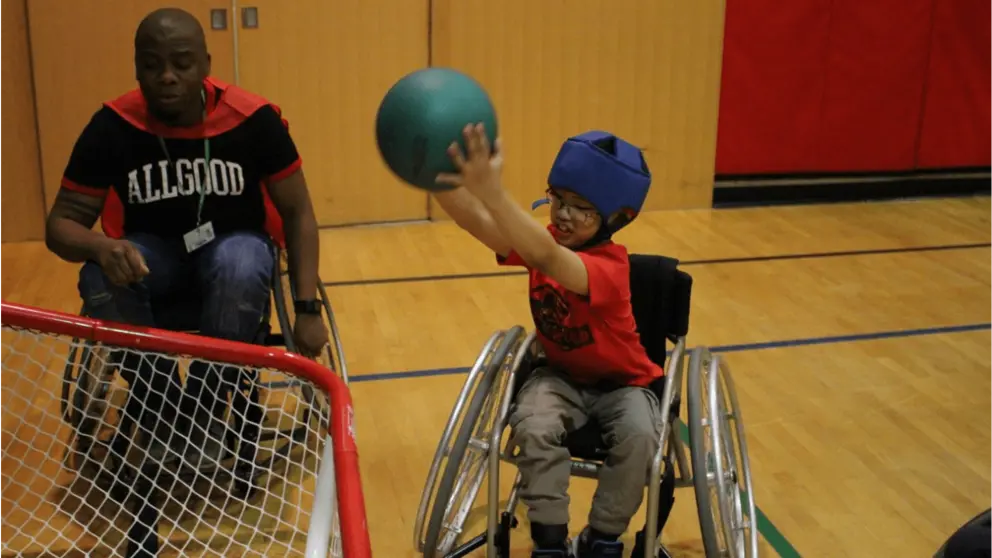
x: 171, y: 62
x: 170, y: 22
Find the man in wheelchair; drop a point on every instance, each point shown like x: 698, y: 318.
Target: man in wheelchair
x: 595, y: 366
x: 192, y: 178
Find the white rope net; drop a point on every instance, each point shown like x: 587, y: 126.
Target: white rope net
x: 108, y: 450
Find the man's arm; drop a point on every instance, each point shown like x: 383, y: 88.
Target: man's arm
x: 472, y: 216
x: 85, y: 183
x: 535, y: 245
x: 292, y: 201
x: 69, y: 230
x: 280, y: 162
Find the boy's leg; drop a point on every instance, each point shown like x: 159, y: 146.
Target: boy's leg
x: 152, y: 380
x: 547, y: 406
x: 629, y: 419
x: 234, y: 273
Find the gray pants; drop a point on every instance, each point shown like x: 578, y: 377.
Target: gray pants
x: 549, y: 405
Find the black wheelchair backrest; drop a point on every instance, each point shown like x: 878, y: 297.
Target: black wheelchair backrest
x: 660, y: 295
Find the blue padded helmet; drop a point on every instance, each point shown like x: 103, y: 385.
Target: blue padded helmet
x: 604, y: 169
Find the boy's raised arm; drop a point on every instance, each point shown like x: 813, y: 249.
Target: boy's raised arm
x: 470, y: 214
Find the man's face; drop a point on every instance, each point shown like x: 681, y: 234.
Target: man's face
x: 170, y: 66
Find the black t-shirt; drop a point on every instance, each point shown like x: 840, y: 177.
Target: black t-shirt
x: 159, y: 186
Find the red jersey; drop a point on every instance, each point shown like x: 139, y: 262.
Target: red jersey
x: 591, y: 337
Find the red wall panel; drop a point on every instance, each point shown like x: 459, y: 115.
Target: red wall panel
x: 956, y: 114
x: 873, y: 96
x: 812, y: 86
x: 772, y: 85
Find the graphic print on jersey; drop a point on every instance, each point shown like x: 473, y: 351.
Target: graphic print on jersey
x: 551, y: 313
x: 184, y: 178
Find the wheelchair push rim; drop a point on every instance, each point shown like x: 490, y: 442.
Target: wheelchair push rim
x: 443, y: 511
x: 719, y: 460
x: 749, y: 540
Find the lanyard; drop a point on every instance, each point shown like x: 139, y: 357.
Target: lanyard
x: 206, y: 158
x: 207, y: 177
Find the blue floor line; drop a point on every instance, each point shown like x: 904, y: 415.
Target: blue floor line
x: 720, y: 348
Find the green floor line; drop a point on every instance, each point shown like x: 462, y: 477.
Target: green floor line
x: 766, y: 528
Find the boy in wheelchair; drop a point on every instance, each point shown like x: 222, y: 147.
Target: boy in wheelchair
x: 595, y: 366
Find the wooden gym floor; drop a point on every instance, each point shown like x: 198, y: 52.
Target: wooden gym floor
x: 858, y: 336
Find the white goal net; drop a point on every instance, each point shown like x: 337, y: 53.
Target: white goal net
x: 137, y: 443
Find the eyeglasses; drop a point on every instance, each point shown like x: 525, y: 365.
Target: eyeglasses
x: 581, y: 214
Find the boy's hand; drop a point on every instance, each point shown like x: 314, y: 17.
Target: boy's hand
x: 480, y: 171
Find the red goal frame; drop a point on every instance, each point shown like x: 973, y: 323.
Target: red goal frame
x: 351, y: 504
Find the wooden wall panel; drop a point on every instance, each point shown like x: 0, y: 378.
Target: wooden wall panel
x: 83, y: 55
x: 647, y: 70
x: 328, y: 63
x: 21, y: 197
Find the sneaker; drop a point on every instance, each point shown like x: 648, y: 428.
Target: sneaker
x: 552, y: 553
x: 639, y: 548
x: 588, y: 547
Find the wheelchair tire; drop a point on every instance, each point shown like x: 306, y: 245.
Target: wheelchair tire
x: 981, y: 521
x: 707, y: 389
x: 738, y: 440
x: 698, y: 455
x: 87, y: 404
x: 482, y: 393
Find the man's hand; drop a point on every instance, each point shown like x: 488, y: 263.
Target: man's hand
x: 309, y: 334
x: 480, y: 171
x: 122, y: 262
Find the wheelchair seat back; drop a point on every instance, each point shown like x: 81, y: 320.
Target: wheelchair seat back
x: 659, y: 297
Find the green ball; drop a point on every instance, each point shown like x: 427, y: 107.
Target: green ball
x: 419, y: 118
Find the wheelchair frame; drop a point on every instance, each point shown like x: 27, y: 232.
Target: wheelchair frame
x: 83, y: 409
x: 480, y: 416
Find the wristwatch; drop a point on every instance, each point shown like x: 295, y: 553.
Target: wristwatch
x: 307, y: 306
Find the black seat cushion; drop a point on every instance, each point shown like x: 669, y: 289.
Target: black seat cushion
x: 587, y: 442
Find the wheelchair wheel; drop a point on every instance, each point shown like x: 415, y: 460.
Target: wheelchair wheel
x: 474, y: 415
x: 333, y: 354
x: 720, y: 464
x: 85, y: 388
x: 967, y: 537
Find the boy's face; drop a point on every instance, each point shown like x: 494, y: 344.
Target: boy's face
x: 575, y: 219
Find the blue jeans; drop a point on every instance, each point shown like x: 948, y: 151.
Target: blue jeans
x: 221, y: 290
x: 225, y: 283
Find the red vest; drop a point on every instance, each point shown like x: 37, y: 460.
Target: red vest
x: 227, y: 106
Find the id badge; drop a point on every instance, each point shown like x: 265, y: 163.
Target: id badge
x: 199, y: 237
